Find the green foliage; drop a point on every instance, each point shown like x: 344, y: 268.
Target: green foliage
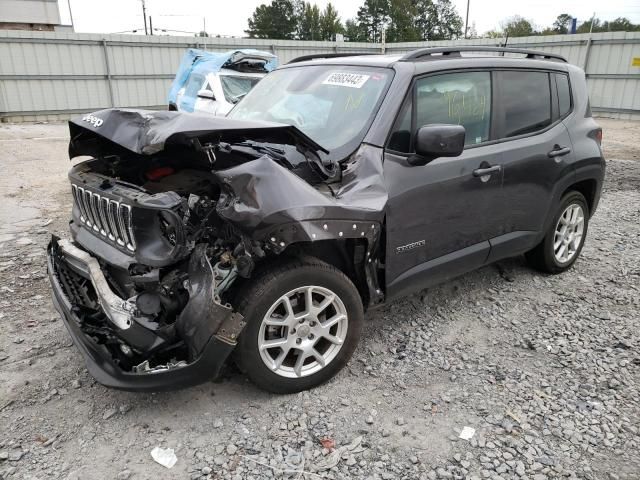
x: 517, y: 26
x: 330, y: 23
x: 402, y: 26
x: 405, y: 21
x: 353, y: 32
x: 620, y: 24
x: 275, y: 21
x: 294, y: 19
x: 585, y: 27
x: 438, y: 20
x: 373, y: 17
x: 401, y: 20
x: 309, y: 22
x: 562, y: 23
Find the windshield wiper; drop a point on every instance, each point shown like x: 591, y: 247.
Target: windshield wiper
x: 277, y: 153
x: 236, y: 98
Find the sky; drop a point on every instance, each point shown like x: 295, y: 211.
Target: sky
x: 229, y: 17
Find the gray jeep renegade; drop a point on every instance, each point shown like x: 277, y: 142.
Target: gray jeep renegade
x: 337, y: 184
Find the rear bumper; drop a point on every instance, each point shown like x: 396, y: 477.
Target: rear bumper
x: 106, y: 371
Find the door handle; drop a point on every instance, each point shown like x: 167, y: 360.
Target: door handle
x: 558, y: 151
x: 481, y: 172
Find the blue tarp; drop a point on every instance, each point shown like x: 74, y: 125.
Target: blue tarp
x: 201, y: 62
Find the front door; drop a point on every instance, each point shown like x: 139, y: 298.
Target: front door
x: 441, y: 216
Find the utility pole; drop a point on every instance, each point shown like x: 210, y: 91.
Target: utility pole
x: 150, y: 25
x: 144, y: 16
x: 466, y: 22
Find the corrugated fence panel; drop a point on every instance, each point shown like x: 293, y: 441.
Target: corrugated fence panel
x: 47, y: 75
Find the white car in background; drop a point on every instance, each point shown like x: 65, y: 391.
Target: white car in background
x: 212, y: 83
x: 217, y: 93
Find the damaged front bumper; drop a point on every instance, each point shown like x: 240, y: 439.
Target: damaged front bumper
x: 211, y: 339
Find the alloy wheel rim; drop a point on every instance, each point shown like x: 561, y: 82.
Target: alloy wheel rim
x: 568, y: 233
x: 303, y: 331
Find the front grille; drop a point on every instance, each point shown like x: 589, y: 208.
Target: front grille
x: 105, y: 217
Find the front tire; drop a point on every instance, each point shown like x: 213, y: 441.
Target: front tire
x: 565, y: 238
x: 304, y: 320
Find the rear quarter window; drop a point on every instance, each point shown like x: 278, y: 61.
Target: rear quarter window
x: 564, y: 94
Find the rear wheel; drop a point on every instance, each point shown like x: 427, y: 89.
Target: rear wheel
x: 563, y: 242
x: 303, y: 323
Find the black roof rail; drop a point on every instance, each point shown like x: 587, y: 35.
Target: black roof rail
x: 455, y: 52
x: 304, y: 58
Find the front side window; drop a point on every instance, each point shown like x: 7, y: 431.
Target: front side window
x: 334, y: 105
x: 194, y: 85
x: 453, y: 98
x: 525, y: 101
x: 236, y: 87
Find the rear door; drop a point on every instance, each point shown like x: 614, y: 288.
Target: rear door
x: 536, y: 151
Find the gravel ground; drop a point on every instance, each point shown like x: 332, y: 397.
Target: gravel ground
x: 545, y: 369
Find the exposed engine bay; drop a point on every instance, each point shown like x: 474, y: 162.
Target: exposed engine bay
x: 169, y: 221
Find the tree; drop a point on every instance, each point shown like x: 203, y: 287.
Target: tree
x: 517, y: 26
x: 330, y: 23
x: 585, y: 27
x: 372, y: 19
x: 494, y: 34
x: 275, y: 21
x: 620, y: 24
x: 309, y: 23
x: 437, y: 20
x: 402, y: 27
x: 353, y: 32
x: 562, y: 23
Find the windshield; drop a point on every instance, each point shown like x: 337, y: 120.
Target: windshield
x: 235, y: 87
x: 333, y: 105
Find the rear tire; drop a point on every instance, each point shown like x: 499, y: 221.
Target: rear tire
x: 565, y: 238
x: 276, y: 308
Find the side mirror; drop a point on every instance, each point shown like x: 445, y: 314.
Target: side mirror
x: 437, y: 140
x: 206, y: 94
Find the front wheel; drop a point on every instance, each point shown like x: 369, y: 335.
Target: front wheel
x: 303, y: 323
x: 563, y: 242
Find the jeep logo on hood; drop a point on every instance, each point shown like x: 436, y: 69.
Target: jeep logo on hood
x: 93, y: 120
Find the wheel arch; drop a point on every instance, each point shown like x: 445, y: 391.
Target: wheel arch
x: 588, y: 188
x: 347, y: 255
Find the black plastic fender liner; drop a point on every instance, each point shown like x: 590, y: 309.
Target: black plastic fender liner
x: 204, y: 313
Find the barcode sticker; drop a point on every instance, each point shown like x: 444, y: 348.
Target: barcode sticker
x: 345, y: 79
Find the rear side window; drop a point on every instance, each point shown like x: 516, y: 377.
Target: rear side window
x: 525, y: 102
x: 564, y: 94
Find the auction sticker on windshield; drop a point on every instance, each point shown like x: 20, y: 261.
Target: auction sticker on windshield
x: 346, y: 79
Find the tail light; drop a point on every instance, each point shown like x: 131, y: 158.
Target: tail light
x: 598, y: 136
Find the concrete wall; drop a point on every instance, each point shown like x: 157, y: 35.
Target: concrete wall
x: 47, y: 76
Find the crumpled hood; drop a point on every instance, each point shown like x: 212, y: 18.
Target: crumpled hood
x: 147, y: 132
